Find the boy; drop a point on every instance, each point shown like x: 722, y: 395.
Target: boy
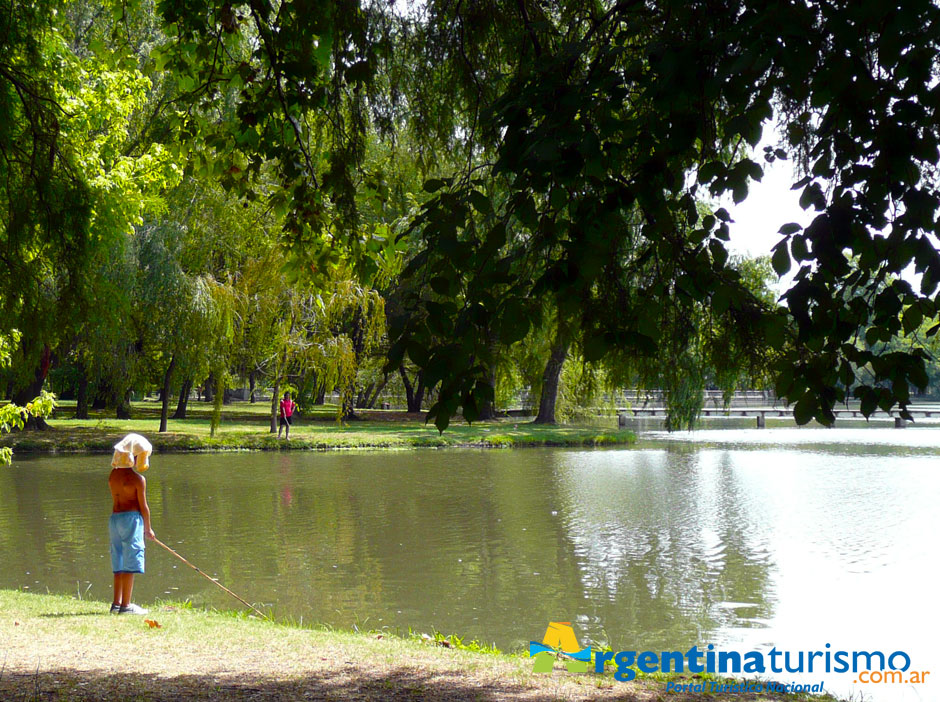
x: 130, y: 518
x: 287, y: 409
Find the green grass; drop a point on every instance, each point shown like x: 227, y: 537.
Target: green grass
x: 247, y: 426
x: 69, y: 648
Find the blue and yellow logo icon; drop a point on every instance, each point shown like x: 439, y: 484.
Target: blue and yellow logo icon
x: 559, y: 641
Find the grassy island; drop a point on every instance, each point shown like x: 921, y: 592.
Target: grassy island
x: 247, y: 426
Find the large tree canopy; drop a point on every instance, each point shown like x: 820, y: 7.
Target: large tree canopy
x: 576, y: 150
x: 629, y: 112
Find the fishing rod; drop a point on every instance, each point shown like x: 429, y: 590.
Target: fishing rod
x: 212, y: 580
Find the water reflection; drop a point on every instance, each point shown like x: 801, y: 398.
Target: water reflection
x: 667, y: 545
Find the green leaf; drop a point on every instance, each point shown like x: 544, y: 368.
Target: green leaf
x: 441, y: 285
x: 753, y: 170
x: 432, y: 185
x: 790, y: 228
x: 918, y: 374
x: 711, y: 169
x: 869, y: 403
x: 780, y: 260
x: 805, y: 409
x: 911, y: 318
x: 595, y: 347
x: 885, y: 399
x: 902, y: 392
x: 798, y: 247
x: 441, y: 420
x: 480, y: 202
x: 718, y: 251
x: 775, y: 332
x: 513, y: 323
x: 721, y: 300
x: 322, y: 51
x: 496, y: 237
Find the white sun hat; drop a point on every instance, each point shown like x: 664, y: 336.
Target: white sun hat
x: 133, y: 451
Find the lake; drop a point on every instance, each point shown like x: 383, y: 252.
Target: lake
x: 742, y: 538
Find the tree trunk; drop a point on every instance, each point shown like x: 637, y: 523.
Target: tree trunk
x: 187, y: 388
x: 219, y: 398
x: 550, y: 379
x: 370, y: 403
x: 362, y: 397
x: 414, y: 396
x: 81, y: 400
x: 358, y: 344
x: 101, y: 399
x: 409, y: 391
x: 208, y: 390
x: 123, y: 408
x: 251, y: 387
x: 488, y: 410
x: 165, y: 399
x: 32, y: 390
x: 275, y: 399
x: 419, y: 394
x: 349, y: 405
x: 28, y: 394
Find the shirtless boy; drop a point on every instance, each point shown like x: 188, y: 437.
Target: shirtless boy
x: 130, y: 518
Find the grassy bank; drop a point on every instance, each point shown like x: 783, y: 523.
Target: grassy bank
x: 60, y: 648
x: 247, y: 426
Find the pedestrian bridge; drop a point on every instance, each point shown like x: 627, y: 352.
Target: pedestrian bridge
x: 761, y: 413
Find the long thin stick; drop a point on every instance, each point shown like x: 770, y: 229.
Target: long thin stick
x: 211, y: 580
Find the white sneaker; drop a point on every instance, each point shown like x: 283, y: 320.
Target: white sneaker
x: 133, y: 609
x: 115, y: 609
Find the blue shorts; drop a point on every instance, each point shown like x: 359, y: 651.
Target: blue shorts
x: 127, y: 542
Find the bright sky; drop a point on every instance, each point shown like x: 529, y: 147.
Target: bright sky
x: 769, y: 205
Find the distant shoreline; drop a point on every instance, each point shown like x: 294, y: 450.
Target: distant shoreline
x: 246, y: 427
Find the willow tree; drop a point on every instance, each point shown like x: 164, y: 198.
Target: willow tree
x: 353, y: 316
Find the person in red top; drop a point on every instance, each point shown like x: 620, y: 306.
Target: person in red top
x: 287, y: 409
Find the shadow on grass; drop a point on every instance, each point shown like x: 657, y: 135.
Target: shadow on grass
x: 69, y: 615
x: 351, y: 683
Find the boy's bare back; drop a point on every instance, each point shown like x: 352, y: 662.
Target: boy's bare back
x: 126, y: 487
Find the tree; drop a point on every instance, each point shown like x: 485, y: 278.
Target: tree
x: 11, y: 415
x: 43, y: 197
x: 71, y: 189
x: 637, y: 109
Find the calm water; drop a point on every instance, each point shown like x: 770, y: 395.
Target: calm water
x: 741, y: 538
